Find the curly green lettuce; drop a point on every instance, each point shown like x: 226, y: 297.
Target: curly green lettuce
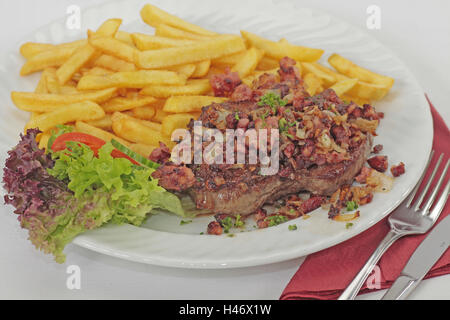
x: 60, y: 195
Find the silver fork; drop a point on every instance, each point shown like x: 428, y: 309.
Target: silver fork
x: 406, y: 220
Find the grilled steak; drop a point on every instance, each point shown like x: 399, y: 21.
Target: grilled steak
x: 324, y: 143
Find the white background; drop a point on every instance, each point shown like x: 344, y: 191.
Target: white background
x: 417, y: 31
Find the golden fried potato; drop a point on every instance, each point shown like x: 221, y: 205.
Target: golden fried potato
x: 127, y: 103
x: 200, y: 51
x: 313, y: 84
x: 201, y: 69
x: 186, y: 104
x: 142, y: 149
x: 83, y: 111
x: 87, y: 128
x: 175, y: 121
x: 147, y: 42
x: 134, y: 130
x: 112, y: 63
x: 352, y: 70
x: 132, y: 79
x: 163, y: 30
x: 192, y: 87
x: 248, y: 62
x: 47, y: 59
x: 279, y: 50
x: 154, y: 17
x: 35, y: 102
x: 344, y: 86
x: 327, y: 79
x: 114, y: 48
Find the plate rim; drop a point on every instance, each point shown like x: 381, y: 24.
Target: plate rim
x: 92, y: 244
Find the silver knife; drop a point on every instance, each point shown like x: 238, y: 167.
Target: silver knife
x: 425, y: 256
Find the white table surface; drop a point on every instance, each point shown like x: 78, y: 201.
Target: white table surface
x: 418, y: 31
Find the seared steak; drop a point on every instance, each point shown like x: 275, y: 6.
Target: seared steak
x: 324, y: 143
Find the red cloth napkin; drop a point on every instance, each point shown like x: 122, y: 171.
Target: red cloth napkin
x: 325, y: 274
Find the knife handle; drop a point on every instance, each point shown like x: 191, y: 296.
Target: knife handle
x: 401, y: 288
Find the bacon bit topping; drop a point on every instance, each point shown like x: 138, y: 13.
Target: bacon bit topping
x: 160, y: 155
x: 398, y: 170
x: 362, y: 177
x: 377, y: 149
x: 242, y: 93
x: 224, y: 85
x: 288, y: 71
x: 175, y: 178
x: 379, y: 163
x: 214, y: 228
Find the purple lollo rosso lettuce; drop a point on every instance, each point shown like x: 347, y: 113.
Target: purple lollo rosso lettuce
x: 54, y: 213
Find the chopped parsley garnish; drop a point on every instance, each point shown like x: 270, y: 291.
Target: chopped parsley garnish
x: 348, y: 225
x: 236, y: 116
x: 272, y: 100
x: 183, y: 222
x: 351, y: 205
x: 276, y: 220
x: 227, y: 224
x: 231, y: 235
x: 292, y: 227
x: 284, y: 127
x: 239, y: 223
x: 264, y: 116
x: 202, y: 233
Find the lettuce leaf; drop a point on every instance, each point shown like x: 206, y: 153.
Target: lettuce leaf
x: 61, y: 195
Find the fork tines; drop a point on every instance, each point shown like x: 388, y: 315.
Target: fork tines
x: 426, y: 208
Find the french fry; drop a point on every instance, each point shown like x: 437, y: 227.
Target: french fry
x: 66, y: 90
x: 313, y: 83
x: 267, y: 63
x: 248, y: 62
x: 97, y: 71
x: 35, y: 102
x: 279, y: 50
x: 43, y: 139
x: 42, y: 84
x: 115, y: 64
x: 31, y: 49
x: 187, y: 70
x: 186, y: 104
x: 114, y: 48
x: 128, y: 103
x: 104, y: 123
x: 152, y: 125
x: 369, y: 91
x: 344, y: 86
x: 327, y: 79
x: 133, y: 79
x: 133, y: 130
x: 85, y: 53
x: 147, y: 42
x: 142, y: 149
x: 200, y: 51
x: 175, y: 121
x: 147, y: 112
x: 51, y: 81
x: 47, y: 59
x: 164, y: 30
x: 159, y: 116
x: 352, y: 70
x: 84, y: 127
x: 83, y: 111
x: 154, y: 16
x: 229, y: 60
x: 192, y: 87
x: 125, y: 37
x: 357, y: 100
x: 201, y: 69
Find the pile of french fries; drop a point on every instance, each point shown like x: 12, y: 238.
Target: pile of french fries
x: 138, y: 88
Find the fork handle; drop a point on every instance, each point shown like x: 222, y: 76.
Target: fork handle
x: 353, y: 288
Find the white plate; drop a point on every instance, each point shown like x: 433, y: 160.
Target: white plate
x: 406, y: 133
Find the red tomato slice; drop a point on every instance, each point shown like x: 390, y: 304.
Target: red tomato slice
x: 92, y: 142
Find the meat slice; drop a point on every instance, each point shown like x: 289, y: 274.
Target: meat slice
x: 247, y: 193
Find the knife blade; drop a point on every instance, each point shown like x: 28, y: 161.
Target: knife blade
x: 425, y: 256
